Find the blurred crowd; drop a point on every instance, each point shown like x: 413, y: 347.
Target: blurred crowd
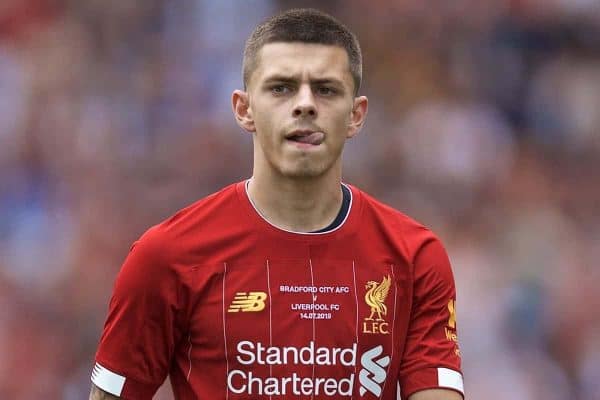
x: 484, y: 124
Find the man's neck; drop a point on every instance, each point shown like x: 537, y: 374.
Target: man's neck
x: 299, y: 205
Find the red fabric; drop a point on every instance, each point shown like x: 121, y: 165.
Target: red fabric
x: 20, y: 16
x: 428, y: 343
x: 170, y: 310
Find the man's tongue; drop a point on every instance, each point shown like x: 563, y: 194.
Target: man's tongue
x: 314, y: 138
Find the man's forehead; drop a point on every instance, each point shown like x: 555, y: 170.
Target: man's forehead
x: 295, y: 58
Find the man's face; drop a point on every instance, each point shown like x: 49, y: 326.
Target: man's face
x: 301, y: 101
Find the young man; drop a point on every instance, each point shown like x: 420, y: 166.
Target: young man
x: 290, y: 284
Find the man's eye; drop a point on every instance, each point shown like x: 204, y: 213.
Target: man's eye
x: 325, y: 91
x: 280, y: 89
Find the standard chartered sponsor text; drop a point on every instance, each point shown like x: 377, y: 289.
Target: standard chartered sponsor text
x: 250, y: 353
x: 240, y: 381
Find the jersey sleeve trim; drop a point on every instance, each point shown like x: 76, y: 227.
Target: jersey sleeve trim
x: 123, y: 387
x: 448, y: 378
x: 107, y: 380
x: 432, y: 378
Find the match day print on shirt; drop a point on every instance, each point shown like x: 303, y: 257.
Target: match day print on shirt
x: 302, y: 328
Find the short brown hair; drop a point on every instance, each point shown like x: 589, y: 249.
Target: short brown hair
x: 305, y: 25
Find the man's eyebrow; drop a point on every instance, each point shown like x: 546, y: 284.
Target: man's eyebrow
x: 293, y: 79
x: 333, y: 81
x: 281, y: 78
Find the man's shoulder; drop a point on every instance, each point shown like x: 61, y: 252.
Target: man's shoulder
x: 393, y: 223
x: 215, y: 205
x: 204, y: 218
x: 389, y: 214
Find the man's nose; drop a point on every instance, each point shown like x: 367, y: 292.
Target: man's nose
x: 305, y: 103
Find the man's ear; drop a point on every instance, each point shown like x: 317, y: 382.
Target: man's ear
x: 358, y: 115
x: 240, y: 103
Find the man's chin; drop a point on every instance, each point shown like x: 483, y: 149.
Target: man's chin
x: 307, y: 168
x: 303, y: 174
x: 307, y: 172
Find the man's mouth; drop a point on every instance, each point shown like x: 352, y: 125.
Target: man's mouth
x: 314, y: 138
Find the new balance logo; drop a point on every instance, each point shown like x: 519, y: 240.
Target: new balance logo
x: 373, y: 373
x: 248, y: 302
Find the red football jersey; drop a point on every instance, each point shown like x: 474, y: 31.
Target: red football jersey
x: 232, y: 307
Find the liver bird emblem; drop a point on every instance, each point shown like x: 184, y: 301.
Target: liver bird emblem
x: 375, y: 297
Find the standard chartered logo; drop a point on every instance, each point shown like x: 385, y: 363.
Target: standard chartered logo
x: 373, y: 372
x: 244, y: 380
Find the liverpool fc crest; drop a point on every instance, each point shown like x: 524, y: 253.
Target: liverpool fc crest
x: 375, y: 297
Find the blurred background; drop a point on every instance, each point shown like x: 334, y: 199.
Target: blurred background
x: 484, y: 124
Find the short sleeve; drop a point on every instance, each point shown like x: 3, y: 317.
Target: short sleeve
x: 432, y: 357
x: 143, y: 324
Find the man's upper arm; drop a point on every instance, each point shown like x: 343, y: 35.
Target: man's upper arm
x: 436, y: 394
x: 98, y: 394
x: 145, y: 321
x: 431, y: 359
